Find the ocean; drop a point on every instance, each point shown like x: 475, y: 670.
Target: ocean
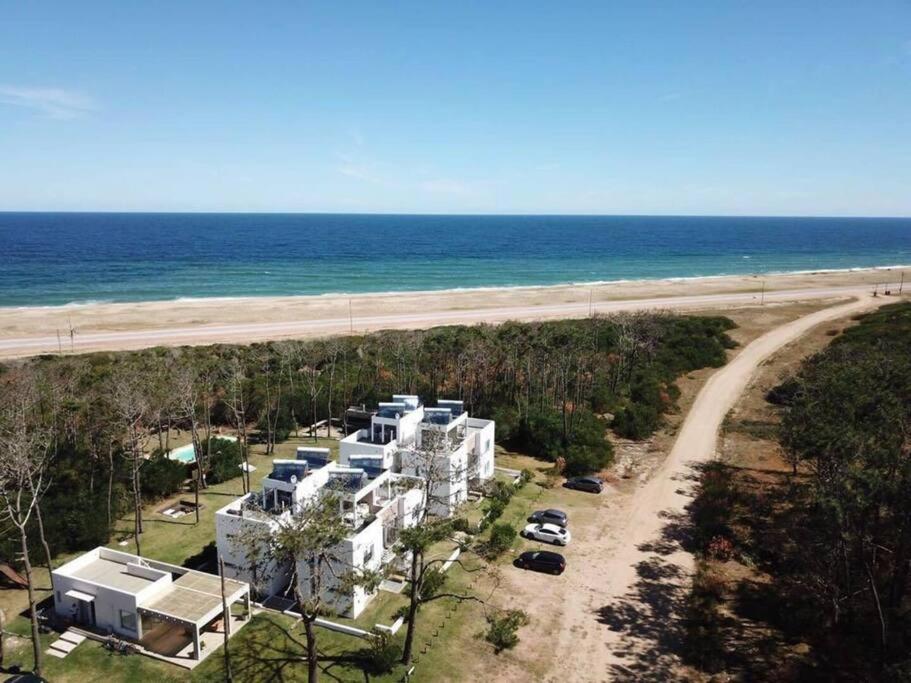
x: 69, y: 258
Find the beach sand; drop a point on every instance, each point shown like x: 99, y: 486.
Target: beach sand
x: 112, y: 326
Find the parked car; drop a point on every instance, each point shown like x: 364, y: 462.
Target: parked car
x: 590, y: 484
x: 557, y: 517
x: 542, y: 561
x: 549, y: 533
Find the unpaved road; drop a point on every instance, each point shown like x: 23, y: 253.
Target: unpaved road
x: 13, y: 345
x: 619, y: 611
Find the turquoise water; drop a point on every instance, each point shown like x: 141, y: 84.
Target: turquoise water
x: 61, y: 258
x: 187, y: 454
x: 184, y: 454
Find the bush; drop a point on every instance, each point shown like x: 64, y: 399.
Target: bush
x: 161, y: 476
x: 584, y: 460
x: 382, y: 655
x: 703, y: 644
x: 501, y: 537
x: 636, y: 421
x: 461, y: 524
x: 500, y: 491
x: 526, y: 476
x: 502, y: 629
x: 720, y: 548
x: 224, y: 460
x: 495, y: 509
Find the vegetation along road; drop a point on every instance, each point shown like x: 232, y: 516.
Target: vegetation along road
x: 624, y: 594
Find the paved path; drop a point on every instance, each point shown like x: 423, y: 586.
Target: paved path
x: 13, y: 347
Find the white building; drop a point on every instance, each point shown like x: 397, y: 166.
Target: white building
x: 378, y: 479
x: 374, y: 503
x: 441, y: 442
x: 149, y: 602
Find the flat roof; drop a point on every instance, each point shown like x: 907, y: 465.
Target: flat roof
x: 111, y: 573
x: 192, y: 597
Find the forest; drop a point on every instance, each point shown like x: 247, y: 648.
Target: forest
x: 554, y: 388
x: 833, y: 535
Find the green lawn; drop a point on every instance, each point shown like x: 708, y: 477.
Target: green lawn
x: 271, y: 647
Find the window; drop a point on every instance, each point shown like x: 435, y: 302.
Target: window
x: 127, y: 620
x: 368, y: 554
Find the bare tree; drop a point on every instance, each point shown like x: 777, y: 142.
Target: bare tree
x: 236, y: 401
x: 24, y: 451
x: 335, y: 347
x: 188, y: 405
x: 131, y: 405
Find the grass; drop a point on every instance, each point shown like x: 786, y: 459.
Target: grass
x: 272, y: 646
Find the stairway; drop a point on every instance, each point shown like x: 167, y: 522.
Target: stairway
x: 65, y: 644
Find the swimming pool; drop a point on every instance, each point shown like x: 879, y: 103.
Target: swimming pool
x: 187, y: 455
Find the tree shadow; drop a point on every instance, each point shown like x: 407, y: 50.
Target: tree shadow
x: 274, y: 652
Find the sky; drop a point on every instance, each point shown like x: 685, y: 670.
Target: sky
x: 604, y: 107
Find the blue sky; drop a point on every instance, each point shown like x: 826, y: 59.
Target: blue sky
x: 729, y: 107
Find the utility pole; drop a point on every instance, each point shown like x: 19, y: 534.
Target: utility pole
x: 350, y: 318
x: 901, y: 284
x: 762, y: 295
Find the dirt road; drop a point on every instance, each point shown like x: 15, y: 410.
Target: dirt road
x: 622, y: 605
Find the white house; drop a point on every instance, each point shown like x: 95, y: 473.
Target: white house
x: 374, y: 503
x: 441, y: 442
x: 379, y: 481
x: 146, y: 601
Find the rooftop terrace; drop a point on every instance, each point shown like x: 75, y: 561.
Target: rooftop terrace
x: 113, y: 573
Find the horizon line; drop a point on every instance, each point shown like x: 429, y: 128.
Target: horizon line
x: 447, y: 214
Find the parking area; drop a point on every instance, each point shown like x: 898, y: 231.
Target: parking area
x: 546, y: 598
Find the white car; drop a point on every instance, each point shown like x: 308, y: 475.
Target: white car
x: 549, y: 533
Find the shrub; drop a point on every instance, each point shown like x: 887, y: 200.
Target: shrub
x: 501, y: 537
x: 714, y: 504
x: 382, y: 655
x: 500, y: 491
x: 720, y: 548
x: 495, y: 508
x: 502, y: 629
x: 703, y: 644
x: 584, y: 460
x: 526, y: 476
x: 461, y: 524
x: 224, y: 460
x: 161, y: 476
x: 636, y: 421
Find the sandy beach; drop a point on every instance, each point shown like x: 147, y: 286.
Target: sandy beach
x: 113, y: 326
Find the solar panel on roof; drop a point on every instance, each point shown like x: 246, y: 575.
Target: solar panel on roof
x: 283, y: 471
x: 315, y: 458
x: 371, y: 464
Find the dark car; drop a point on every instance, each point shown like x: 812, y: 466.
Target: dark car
x: 590, y: 484
x: 542, y: 561
x: 557, y: 517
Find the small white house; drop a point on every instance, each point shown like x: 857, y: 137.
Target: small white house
x: 146, y: 601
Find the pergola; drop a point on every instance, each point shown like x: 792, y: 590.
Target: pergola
x: 194, y: 599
